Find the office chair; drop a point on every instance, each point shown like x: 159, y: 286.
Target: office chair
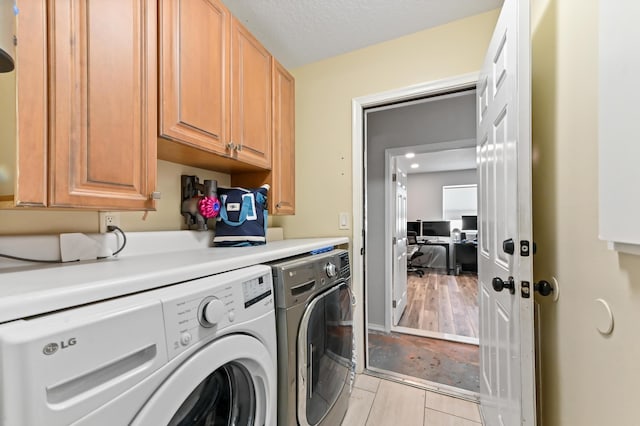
x: 412, y: 240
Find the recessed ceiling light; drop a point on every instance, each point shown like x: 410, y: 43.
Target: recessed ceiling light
x: 415, y: 165
x: 409, y: 155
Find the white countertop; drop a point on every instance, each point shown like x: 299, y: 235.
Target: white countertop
x: 43, y: 289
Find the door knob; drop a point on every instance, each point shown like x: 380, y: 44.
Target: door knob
x: 498, y: 284
x: 543, y: 287
x: 508, y: 246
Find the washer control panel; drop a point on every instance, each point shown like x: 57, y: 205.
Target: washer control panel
x: 212, y: 311
x: 201, y: 309
x: 255, y: 290
x: 330, y: 269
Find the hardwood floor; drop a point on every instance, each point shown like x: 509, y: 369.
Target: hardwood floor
x: 442, y: 303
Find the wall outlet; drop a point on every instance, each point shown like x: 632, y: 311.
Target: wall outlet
x: 109, y: 219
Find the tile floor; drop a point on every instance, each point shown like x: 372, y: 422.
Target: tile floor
x: 379, y: 402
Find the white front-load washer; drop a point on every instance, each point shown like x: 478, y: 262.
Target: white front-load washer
x: 200, y: 352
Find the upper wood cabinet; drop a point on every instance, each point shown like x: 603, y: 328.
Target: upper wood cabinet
x: 86, y: 96
x: 32, y: 106
x: 215, y: 89
x: 281, y: 177
x: 103, y: 103
x: 283, y: 172
x: 250, y: 98
x: 194, y: 73
x: 225, y: 103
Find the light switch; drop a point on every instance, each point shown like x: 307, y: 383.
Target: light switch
x: 344, y: 221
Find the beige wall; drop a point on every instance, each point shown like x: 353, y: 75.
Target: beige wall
x: 588, y: 379
x: 324, y: 91
x: 166, y: 217
x: 7, y: 132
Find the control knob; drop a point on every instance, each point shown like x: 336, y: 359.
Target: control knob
x: 214, y: 311
x: 330, y: 269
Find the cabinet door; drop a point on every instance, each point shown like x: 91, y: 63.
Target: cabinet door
x: 103, y: 102
x: 194, y: 73
x: 283, y: 171
x: 31, y: 91
x: 250, y: 98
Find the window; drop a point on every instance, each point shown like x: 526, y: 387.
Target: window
x: 458, y: 201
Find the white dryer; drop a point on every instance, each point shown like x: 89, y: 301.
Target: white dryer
x: 201, y: 352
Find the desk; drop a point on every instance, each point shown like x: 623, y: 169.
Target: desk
x: 444, y: 244
x: 466, y: 256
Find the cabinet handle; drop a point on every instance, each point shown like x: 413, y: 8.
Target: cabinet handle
x: 231, y: 146
x: 239, y: 147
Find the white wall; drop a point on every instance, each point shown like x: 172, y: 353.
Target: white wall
x: 424, y: 192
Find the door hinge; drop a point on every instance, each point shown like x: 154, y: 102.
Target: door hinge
x: 394, y: 304
x: 394, y: 177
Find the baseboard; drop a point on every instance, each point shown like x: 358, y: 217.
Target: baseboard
x: 376, y: 327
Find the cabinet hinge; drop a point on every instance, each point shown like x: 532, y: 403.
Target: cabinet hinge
x: 394, y: 304
x: 395, y: 241
x: 394, y: 177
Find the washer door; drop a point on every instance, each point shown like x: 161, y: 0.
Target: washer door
x: 325, y: 352
x: 231, y: 381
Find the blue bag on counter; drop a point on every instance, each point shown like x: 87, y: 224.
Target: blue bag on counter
x: 243, y: 217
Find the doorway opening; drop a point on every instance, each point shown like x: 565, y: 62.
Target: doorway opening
x: 437, y: 295
x: 425, y: 330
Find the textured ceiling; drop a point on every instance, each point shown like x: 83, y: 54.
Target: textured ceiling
x: 298, y: 32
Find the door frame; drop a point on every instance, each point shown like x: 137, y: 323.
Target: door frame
x: 391, y: 154
x: 358, y: 134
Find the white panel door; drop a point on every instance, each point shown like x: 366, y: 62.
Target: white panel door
x: 504, y: 171
x: 400, y: 247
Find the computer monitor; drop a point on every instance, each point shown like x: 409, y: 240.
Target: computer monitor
x: 440, y: 228
x: 469, y: 223
x: 415, y: 227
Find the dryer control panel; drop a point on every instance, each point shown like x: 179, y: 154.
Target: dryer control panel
x: 203, y: 308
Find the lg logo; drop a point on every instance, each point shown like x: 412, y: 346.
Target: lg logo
x: 52, y: 348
